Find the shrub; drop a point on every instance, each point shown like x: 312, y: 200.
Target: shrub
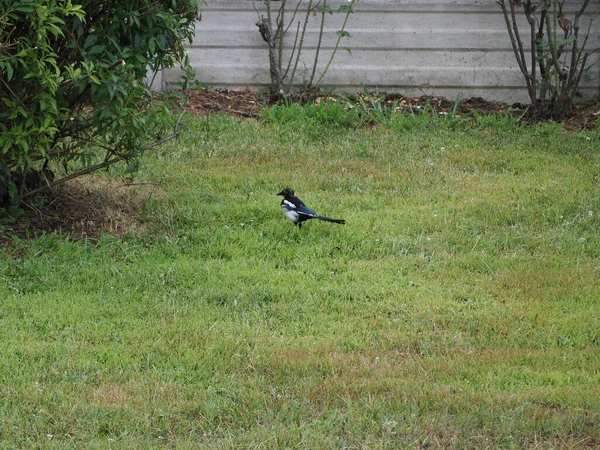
x: 274, y: 28
x: 557, y: 57
x: 72, y: 92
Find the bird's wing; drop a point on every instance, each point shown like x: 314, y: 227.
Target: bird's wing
x: 286, y: 205
x: 297, y: 206
x: 305, y: 211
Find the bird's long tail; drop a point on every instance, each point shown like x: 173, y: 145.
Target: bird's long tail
x: 328, y: 219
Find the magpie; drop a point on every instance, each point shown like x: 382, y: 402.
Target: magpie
x: 295, y: 209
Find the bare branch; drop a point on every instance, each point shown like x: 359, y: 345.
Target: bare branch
x: 255, y: 9
x: 300, y: 45
x: 551, y: 27
x: 337, y: 44
x: 532, y: 23
x: 314, y: 69
x: 96, y: 167
x: 517, y: 45
x: 293, y: 16
x: 107, y: 162
x: 287, y: 69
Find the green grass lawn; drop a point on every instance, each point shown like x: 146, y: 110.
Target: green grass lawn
x: 458, y: 307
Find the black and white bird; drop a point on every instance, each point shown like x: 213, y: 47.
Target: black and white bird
x: 295, y: 209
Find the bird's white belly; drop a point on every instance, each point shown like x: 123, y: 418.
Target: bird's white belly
x: 292, y: 215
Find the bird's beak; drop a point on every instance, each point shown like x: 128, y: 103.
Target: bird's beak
x: 281, y: 193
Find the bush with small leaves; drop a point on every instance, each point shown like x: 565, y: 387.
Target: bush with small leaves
x: 558, y: 55
x: 72, y: 92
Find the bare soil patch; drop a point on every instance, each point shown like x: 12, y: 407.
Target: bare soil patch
x: 84, y: 208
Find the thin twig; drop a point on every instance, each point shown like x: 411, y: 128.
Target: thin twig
x: 287, y: 69
x: 97, y: 167
x: 147, y: 183
x: 15, y: 96
x: 541, y: 61
x: 533, y: 44
x: 312, y: 75
x: 301, y: 44
x: 280, y: 33
x: 255, y: 9
x: 337, y: 44
x: 234, y: 111
x: 576, y: 62
x: 293, y: 16
x: 551, y: 28
x: 513, y: 39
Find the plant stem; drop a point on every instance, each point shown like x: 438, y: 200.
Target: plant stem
x: 312, y: 75
x: 102, y: 165
x: 280, y: 33
x: 287, y: 69
x: 301, y: 44
x: 517, y: 45
x: 337, y: 44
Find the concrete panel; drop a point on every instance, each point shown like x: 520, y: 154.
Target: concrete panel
x: 392, y: 59
x: 437, y: 47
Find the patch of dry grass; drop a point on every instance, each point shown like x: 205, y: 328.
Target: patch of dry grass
x: 85, y: 208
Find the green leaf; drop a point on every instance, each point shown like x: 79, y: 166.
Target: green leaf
x: 162, y: 42
x: 10, y: 103
x: 111, y: 91
x: 9, y: 71
x: 96, y: 49
x: 105, y: 113
x: 12, y: 190
x: 121, y: 116
x: 90, y: 40
x: 56, y: 31
x: 567, y: 41
x: 24, y: 9
x: 75, y: 10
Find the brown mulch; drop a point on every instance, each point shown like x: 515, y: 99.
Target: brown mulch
x: 584, y: 117
x: 241, y: 103
x: 250, y: 104
x: 87, y: 208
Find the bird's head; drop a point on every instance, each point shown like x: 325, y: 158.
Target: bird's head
x: 287, y: 192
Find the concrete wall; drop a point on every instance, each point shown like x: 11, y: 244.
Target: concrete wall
x: 413, y: 47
